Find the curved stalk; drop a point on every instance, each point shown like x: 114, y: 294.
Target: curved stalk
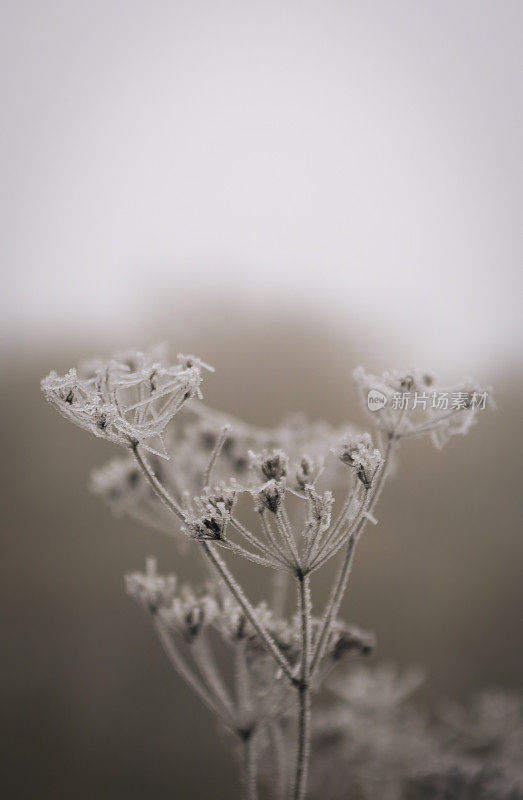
x: 338, y: 590
x: 185, y: 672
x: 220, y: 567
x: 241, y: 599
x: 157, y: 485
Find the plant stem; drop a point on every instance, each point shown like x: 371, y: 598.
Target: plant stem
x: 304, y: 693
x: 204, y: 658
x: 221, y: 568
x: 182, y: 668
x: 280, y: 764
x: 249, y: 768
x: 157, y: 486
x: 241, y: 599
x: 215, y: 453
x: 340, y: 585
x: 333, y: 605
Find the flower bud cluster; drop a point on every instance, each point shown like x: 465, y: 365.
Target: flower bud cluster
x: 271, y: 465
x: 347, y: 640
x: 179, y: 607
x: 359, y: 454
x: 412, y: 404
x: 190, y: 613
x: 214, y: 508
x: 152, y: 590
x: 128, y: 405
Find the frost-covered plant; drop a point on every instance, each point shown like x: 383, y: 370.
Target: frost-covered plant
x: 288, y: 500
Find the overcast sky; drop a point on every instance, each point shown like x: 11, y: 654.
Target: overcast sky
x: 357, y: 159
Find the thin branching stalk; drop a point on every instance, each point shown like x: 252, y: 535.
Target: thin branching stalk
x: 157, y: 485
x: 241, y: 599
x: 333, y: 605
x: 215, y: 454
x: 184, y: 670
x: 249, y: 767
x: 237, y: 525
x: 206, y: 661
x: 257, y: 559
x: 267, y: 529
x: 303, y: 688
x: 288, y: 538
x: 243, y: 697
x: 340, y: 585
x: 421, y: 430
x: 221, y: 568
x: 324, y: 549
x: 280, y: 764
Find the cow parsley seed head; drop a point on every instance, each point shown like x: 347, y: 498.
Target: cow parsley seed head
x: 307, y: 471
x: 193, y: 362
x: 152, y: 590
x: 235, y: 627
x: 180, y: 608
x: 286, y: 637
x: 411, y: 404
x: 270, y: 495
x: 209, y: 525
x: 408, y: 381
x: 190, y: 613
x: 320, y: 510
x: 271, y: 465
x: 76, y: 400
x: 376, y: 690
x: 213, y: 512
x: 220, y: 497
x: 346, y: 640
x: 359, y: 454
x: 127, y: 405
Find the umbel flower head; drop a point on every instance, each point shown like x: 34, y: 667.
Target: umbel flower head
x: 380, y: 689
x: 190, y: 612
x: 270, y: 465
x: 411, y: 404
x: 358, y: 453
x: 128, y: 401
x: 183, y: 610
x: 153, y: 591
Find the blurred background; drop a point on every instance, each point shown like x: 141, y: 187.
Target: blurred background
x: 287, y: 190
